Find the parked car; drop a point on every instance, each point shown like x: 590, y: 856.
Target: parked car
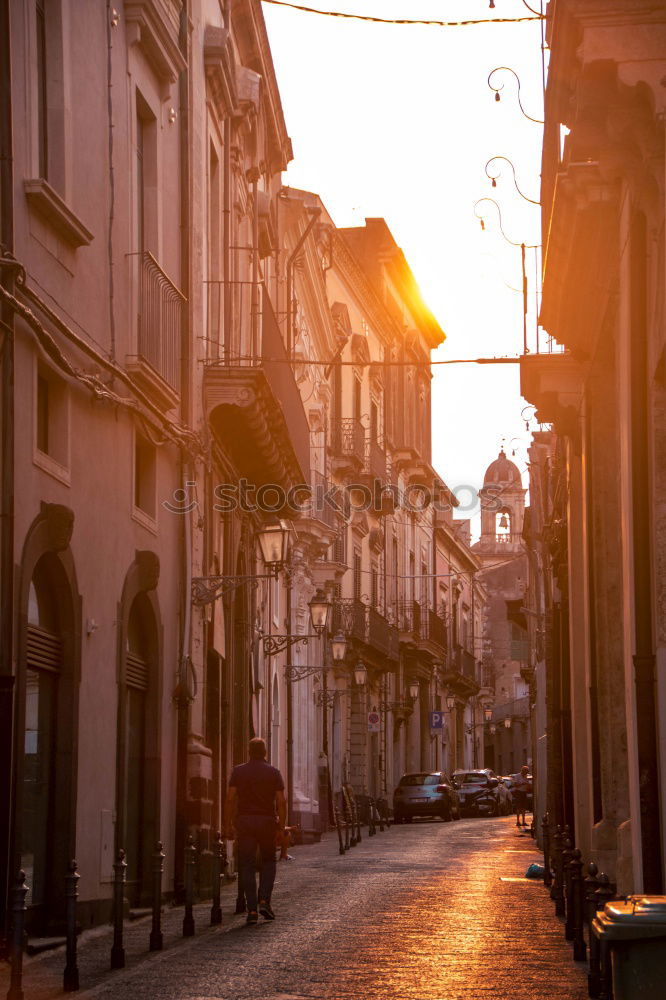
x: 425, y: 793
x: 478, y: 793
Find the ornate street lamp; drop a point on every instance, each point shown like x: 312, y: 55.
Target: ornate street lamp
x: 507, y: 723
x: 450, y: 702
x: 320, y: 607
x: 493, y: 177
x: 274, y: 542
x: 413, y: 690
x: 507, y: 69
x: 360, y: 674
x: 487, y: 714
x: 339, y: 646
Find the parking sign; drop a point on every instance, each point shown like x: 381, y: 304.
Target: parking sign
x: 436, y: 720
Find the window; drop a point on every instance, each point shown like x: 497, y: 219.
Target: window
x: 146, y: 177
x: 51, y: 422
x: 374, y: 421
x: 42, y: 414
x: 357, y: 398
x: 145, y: 461
x: 42, y: 102
x: 358, y: 589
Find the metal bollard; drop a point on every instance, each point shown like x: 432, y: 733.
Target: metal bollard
x: 357, y: 818
x: 218, y: 866
x: 371, y: 818
x: 338, y: 827
x: 119, y: 876
x: 557, y: 888
x: 578, y: 899
x: 156, y: 939
x: 599, y: 978
x: 70, y: 979
x: 567, y: 858
x: 353, y: 840
x: 19, y: 892
x: 545, y: 834
x: 347, y: 819
x: 190, y: 862
x: 380, y: 814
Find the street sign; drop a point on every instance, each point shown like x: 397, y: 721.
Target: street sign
x: 373, y: 722
x: 436, y: 720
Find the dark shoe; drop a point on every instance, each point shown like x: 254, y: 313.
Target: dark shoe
x: 266, y: 911
x: 252, y: 917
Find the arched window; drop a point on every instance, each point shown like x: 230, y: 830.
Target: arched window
x: 138, y: 758
x: 503, y: 525
x: 42, y: 676
x: 137, y: 682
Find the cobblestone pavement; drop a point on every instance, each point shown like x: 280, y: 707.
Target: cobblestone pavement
x: 428, y: 911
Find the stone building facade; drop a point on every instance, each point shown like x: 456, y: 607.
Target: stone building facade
x: 186, y: 344
x: 501, y: 554
x: 602, y: 531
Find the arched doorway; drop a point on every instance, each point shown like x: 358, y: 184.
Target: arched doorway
x: 138, y: 754
x: 47, y: 717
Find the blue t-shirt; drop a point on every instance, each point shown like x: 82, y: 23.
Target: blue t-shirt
x: 256, y: 784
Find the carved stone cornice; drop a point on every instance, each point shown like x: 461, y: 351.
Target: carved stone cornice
x: 153, y: 25
x: 219, y: 68
x: 251, y: 426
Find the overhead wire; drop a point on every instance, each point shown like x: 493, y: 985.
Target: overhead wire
x: 404, y: 20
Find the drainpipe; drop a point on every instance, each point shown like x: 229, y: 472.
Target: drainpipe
x: 226, y: 213
x: 182, y: 698
x: 291, y: 312
x: 290, y: 727
x: 256, y: 351
x: 7, y: 476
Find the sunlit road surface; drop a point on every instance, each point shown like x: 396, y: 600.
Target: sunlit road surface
x: 428, y: 911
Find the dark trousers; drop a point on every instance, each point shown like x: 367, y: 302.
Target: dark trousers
x: 256, y: 833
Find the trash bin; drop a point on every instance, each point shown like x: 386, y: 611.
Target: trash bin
x: 634, y: 930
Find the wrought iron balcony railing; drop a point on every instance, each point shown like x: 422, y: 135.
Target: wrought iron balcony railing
x: 375, y: 460
x: 160, y: 321
x: 378, y: 631
x: 351, y: 617
x: 348, y: 439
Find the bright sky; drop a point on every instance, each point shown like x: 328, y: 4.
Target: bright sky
x: 399, y: 121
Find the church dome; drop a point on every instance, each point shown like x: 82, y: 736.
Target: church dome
x: 502, y: 472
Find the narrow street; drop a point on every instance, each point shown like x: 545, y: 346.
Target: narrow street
x: 431, y: 911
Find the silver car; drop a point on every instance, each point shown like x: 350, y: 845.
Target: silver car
x: 425, y: 793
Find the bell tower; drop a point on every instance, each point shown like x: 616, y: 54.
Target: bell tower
x: 502, y: 499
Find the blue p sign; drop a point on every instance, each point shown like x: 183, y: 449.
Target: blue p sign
x: 436, y: 720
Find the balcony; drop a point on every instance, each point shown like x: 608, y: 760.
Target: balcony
x: 347, y: 446
x: 375, y: 460
x: 351, y: 617
x: 411, y: 621
x: 437, y: 630
x: 156, y: 365
x: 320, y: 514
x: 393, y: 643
x: 255, y: 409
x: 378, y: 632
x: 460, y: 674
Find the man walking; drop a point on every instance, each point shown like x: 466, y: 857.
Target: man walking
x: 256, y: 809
